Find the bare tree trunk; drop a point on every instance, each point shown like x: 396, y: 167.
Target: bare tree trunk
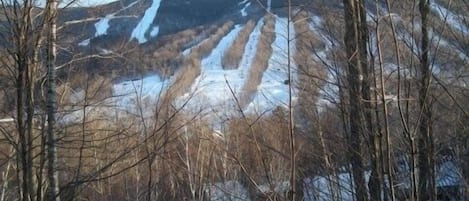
x: 291, y: 124
x: 5, y: 175
x: 21, y: 27
x: 51, y: 103
x: 368, y: 107
x: 425, y: 142
x: 353, y: 48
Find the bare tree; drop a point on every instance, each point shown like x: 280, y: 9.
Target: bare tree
x: 355, y: 42
x: 51, y: 102
x: 426, y: 163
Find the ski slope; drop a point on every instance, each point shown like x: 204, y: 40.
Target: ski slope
x: 210, y: 89
x: 144, y: 93
x: 273, y: 90
x: 102, y: 25
x: 144, y: 25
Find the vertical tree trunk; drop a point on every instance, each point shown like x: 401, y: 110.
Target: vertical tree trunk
x: 291, y: 124
x: 425, y: 158
x: 21, y: 27
x: 368, y: 108
x: 51, y: 104
x: 354, y: 50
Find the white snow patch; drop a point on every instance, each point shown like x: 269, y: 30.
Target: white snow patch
x: 227, y: 191
x: 186, y: 52
x: 269, y: 5
x: 105, y: 51
x: 144, y: 24
x: 154, y: 32
x: 325, y: 188
x: 243, y: 11
x: 102, y: 25
x: 85, y: 42
x: 274, y: 88
x: 243, y: 2
x: 144, y: 92
x: 135, y: 97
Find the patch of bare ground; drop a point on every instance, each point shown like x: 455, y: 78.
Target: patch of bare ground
x: 191, y: 66
x: 232, y: 57
x: 311, y: 72
x: 260, y: 61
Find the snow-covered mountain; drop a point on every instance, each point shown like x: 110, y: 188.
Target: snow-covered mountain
x: 150, y: 45
x: 143, y: 20
x: 146, y: 47
x: 153, y: 26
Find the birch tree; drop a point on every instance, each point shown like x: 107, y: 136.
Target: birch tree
x: 51, y: 103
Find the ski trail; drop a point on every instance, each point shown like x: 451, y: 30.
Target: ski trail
x: 243, y: 11
x: 144, y: 24
x: 209, y: 87
x: 273, y: 90
x: 209, y: 95
x: 103, y: 24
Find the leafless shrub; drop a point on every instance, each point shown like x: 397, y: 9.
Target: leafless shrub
x: 259, y: 149
x: 184, y: 78
x: 233, y: 55
x: 311, y: 72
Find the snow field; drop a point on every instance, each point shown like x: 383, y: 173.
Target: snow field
x: 145, y: 92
